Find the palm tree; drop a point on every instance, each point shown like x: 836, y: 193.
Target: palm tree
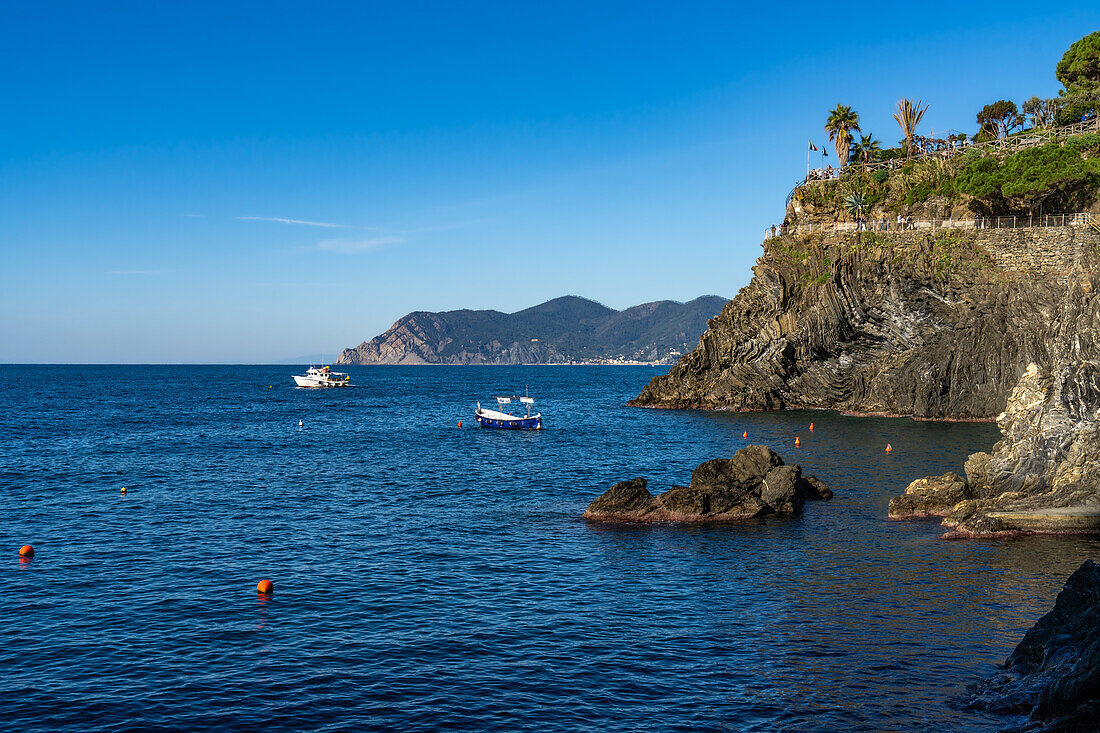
x: 908, y: 116
x: 841, y: 123
x: 867, y: 149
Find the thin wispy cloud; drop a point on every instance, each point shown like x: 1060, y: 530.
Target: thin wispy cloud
x: 353, y: 246
x: 303, y: 222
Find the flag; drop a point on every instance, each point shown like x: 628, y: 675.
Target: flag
x: 812, y: 146
x: 825, y: 152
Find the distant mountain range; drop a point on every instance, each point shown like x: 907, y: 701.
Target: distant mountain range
x: 560, y: 331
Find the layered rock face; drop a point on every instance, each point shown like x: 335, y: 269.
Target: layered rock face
x: 931, y: 325
x: 1042, y: 477
x: 754, y: 483
x: 1054, y: 672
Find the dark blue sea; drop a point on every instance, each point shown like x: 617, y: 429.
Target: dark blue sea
x: 429, y: 577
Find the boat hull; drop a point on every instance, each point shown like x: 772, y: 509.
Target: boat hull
x: 510, y: 423
x: 318, y: 383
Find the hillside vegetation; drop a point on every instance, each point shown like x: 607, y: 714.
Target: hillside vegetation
x: 1060, y: 176
x: 1042, y: 157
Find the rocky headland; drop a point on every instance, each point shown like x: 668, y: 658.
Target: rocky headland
x: 754, y: 483
x: 560, y: 331
x: 907, y: 287
x: 1053, y: 675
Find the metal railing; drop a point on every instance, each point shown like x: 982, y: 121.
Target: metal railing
x: 909, y: 224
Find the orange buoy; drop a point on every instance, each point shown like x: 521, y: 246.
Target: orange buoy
x: 811, y: 427
x: 459, y: 423
x: 264, y: 587
x: 797, y: 441
x: 745, y: 434
x: 26, y: 551
x: 889, y: 448
x: 122, y: 490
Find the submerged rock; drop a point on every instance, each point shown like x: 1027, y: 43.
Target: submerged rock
x: 1042, y: 477
x: 754, y: 483
x: 1054, y: 672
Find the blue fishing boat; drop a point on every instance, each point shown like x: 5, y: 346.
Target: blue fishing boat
x: 502, y: 420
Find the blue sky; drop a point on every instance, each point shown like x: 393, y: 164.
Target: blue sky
x: 215, y: 182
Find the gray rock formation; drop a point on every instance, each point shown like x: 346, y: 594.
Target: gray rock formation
x: 1042, y: 477
x: 754, y: 483
x: 931, y: 325
x: 1054, y: 672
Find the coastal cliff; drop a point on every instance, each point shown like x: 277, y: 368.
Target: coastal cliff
x: 562, y: 330
x: 934, y: 325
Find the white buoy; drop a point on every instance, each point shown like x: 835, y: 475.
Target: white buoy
x: 299, y: 423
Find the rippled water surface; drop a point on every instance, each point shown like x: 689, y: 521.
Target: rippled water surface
x: 431, y: 577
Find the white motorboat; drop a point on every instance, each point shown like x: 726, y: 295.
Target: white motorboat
x: 322, y: 377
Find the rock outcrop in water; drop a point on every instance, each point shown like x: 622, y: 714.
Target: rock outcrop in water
x: 934, y: 496
x: 1042, y: 477
x: 1054, y: 672
x: 754, y: 483
x: 931, y: 325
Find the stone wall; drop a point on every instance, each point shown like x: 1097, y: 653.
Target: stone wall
x: 1047, y: 251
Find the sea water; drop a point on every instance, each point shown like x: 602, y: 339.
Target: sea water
x: 432, y: 577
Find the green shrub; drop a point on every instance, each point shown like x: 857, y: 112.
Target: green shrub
x: 880, y: 176
x: 1030, y: 171
x: 1038, y: 169
x: 919, y: 192
x: 1084, y: 144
